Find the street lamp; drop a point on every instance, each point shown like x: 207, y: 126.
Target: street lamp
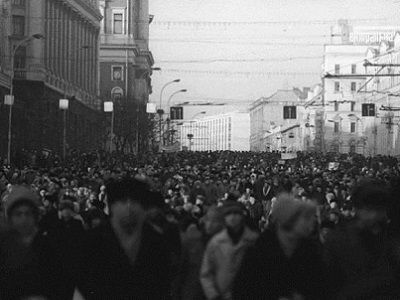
x: 169, y: 100
x: 9, y: 99
x: 198, y: 114
x: 173, y: 94
x: 142, y: 76
x: 163, y: 88
x: 160, y: 111
x: 63, y: 105
x: 190, y: 137
x: 109, y: 107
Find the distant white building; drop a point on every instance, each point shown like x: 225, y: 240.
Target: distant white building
x: 349, y: 91
x: 277, y: 121
x: 382, y: 97
x: 230, y: 131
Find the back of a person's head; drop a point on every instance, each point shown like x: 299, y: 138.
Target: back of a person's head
x: 127, y: 189
x: 370, y: 193
x: 287, y: 210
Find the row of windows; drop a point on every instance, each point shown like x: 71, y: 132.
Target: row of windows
x: 18, y: 2
x: 353, y: 69
x: 367, y: 109
x: 337, y: 126
x: 353, y: 87
x: 352, y: 105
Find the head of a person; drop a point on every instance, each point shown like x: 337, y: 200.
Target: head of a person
x: 371, y: 200
x: 294, y: 217
x: 234, y: 214
x: 22, y: 210
x: 212, y: 220
x: 96, y: 217
x: 66, y: 209
x: 128, y: 201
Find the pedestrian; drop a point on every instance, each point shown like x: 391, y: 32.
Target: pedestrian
x: 126, y: 258
x: 224, y: 252
x: 284, y: 263
x: 30, y: 265
x: 362, y: 259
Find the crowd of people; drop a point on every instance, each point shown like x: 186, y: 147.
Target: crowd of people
x: 200, y: 225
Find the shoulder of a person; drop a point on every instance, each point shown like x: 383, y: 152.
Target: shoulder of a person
x: 250, y: 234
x: 219, y: 237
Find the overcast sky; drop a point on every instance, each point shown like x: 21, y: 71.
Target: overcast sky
x: 237, y: 51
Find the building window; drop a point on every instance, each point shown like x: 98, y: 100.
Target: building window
x: 352, y: 127
x: 336, y: 106
x: 20, y: 58
x: 352, y: 105
x: 118, y: 23
x: 289, y: 112
x: 353, y: 69
x: 18, y: 2
x: 336, y: 127
x: 337, y: 69
x: 368, y: 110
x: 352, y: 148
x: 18, y: 23
x: 353, y: 87
x: 337, y: 86
x: 117, y: 73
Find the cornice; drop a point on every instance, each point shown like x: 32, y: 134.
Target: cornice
x: 87, y: 11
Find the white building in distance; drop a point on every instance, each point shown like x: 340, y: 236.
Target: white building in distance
x: 350, y: 114
x: 230, y: 131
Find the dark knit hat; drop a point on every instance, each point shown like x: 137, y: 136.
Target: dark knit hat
x: 232, y: 207
x: 128, y: 188
x: 21, y: 195
x: 66, y: 204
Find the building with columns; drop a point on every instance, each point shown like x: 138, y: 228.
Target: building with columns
x: 125, y: 69
x: 54, y: 45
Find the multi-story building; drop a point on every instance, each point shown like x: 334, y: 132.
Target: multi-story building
x: 54, y: 46
x: 381, y: 110
x: 276, y: 121
x: 349, y: 111
x: 5, y: 10
x: 228, y: 131
x: 125, y: 68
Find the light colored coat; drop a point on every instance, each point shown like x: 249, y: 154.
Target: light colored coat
x: 221, y: 261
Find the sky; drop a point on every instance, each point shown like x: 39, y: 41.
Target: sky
x: 233, y: 52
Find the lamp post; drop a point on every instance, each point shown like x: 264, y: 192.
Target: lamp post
x: 160, y: 111
x: 142, y: 76
x: 190, y: 137
x: 173, y: 94
x: 168, y: 103
x: 63, y: 105
x: 9, y: 99
x: 198, y: 114
x: 109, y: 107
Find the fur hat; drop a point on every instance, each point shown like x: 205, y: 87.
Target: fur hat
x: 66, y: 204
x: 287, y: 210
x: 21, y: 195
x: 232, y: 206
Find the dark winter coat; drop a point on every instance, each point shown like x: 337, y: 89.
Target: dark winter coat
x: 106, y: 272
x: 31, y: 270
x: 267, y: 273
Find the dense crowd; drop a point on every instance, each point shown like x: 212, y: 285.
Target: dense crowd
x: 200, y: 225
